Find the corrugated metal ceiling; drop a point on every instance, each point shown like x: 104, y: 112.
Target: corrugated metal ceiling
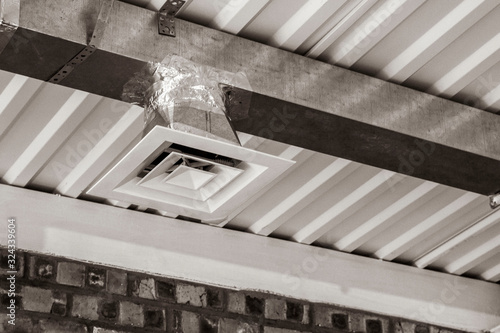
x: 59, y: 140
x: 446, y: 48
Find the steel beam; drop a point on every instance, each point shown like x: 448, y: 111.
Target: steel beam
x: 357, y: 141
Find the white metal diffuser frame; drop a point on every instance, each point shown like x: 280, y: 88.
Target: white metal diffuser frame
x: 205, y: 195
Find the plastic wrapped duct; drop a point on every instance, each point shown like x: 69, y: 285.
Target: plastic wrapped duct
x: 184, y: 96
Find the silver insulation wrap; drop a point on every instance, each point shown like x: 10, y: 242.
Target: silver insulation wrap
x: 184, y: 96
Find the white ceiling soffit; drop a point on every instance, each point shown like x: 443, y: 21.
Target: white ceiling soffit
x: 446, y: 48
x: 72, y: 143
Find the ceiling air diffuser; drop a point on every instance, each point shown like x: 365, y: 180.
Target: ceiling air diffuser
x: 189, y: 175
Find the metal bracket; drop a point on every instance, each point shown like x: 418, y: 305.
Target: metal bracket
x: 9, y: 12
x: 9, y: 21
x: 166, y: 23
x: 72, y: 64
x: 95, y: 42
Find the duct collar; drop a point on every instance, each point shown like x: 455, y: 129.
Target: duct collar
x: 185, y: 96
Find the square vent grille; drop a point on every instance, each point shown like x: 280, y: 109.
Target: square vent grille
x: 189, y: 175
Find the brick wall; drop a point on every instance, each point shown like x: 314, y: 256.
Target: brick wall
x: 57, y: 295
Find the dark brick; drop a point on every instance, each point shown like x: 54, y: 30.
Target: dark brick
x: 186, y: 322
x: 133, y: 285
x: 4, y: 262
x: 59, y: 303
x: 41, y: 268
x: 214, y: 298
x: 254, y: 305
x: 357, y: 322
x: 109, y: 310
x: 142, y: 287
x: 85, y: 307
x: 4, y: 259
x: 23, y: 324
x: 116, y: 282
x: 103, y: 330
x: 131, y: 314
x: 236, y: 302
x: 52, y: 326
x: 275, y: 309
x: 373, y: 326
x: 268, y: 329
x: 189, y: 322
x: 192, y: 295
x: 5, y: 300
x: 71, y: 274
x: 322, y: 315
x: 58, y: 309
x: 176, y: 321
x: 208, y: 325
x: 96, y: 277
x: 294, y: 311
x: 40, y: 299
x: 340, y: 320
x: 421, y: 328
x: 307, y: 316
x: 233, y: 325
x: 166, y: 290
x: 154, y: 318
